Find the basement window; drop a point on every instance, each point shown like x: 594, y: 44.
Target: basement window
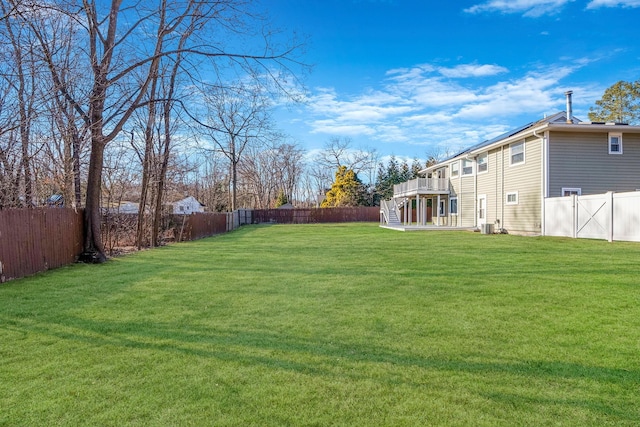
x: 615, y: 143
x: 453, y: 206
x: 571, y: 191
x: 512, y: 198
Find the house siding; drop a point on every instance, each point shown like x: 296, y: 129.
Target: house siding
x: 582, y: 160
x: 490, y: 185
x: 455, y: 191
x: 526, y: 179
x: 466, y: 201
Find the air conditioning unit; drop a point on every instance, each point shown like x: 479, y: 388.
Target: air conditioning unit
x: 486, y: 229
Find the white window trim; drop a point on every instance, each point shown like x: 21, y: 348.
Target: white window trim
x: 506, y: 198
x: 486, y: 155
x: 457, y: 207
x: 524, y: 154
x: 619, y: 136
x: 457, y: 162
x: 576, y: 190
x: 462, y: 167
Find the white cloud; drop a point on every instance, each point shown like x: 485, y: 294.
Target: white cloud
x: 425, y: 106
x: 530, y: 8
x: 472, y: 70
x: 595, y: 4
x: 336, y: 128
x: 529, y: 94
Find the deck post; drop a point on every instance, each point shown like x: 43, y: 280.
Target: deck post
x: 404, y: 205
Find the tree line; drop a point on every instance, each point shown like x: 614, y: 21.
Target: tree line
x: 101, y: 101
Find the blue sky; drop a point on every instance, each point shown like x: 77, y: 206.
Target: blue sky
x: 415, y: 78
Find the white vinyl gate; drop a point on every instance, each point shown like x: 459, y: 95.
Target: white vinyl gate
x: 610, y: 216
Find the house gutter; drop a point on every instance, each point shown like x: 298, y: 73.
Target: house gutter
x: 544, y: 178
x: 502, y: 192
x: 545, y: 127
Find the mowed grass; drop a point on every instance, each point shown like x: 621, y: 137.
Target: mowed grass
x: 330, y: 325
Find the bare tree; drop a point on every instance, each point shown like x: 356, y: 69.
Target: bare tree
x: 338, y: 152
x: 23, y: 84
x: 9, y: 157
x: 267, y: 171
x: 123, y: 61
x: 238, y: 118
x: 215, y: 182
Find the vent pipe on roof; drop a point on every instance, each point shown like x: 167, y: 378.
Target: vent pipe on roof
x: 569, y: 107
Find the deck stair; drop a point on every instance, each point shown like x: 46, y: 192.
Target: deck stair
x: 393, y: 219
x: 389, y: 213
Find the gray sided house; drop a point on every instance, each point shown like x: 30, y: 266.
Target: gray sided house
x: 504, y: 181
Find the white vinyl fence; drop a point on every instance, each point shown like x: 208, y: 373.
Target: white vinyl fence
x: 610, y: 216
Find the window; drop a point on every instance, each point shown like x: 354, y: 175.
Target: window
x: 483, y: 165
x: 453, y: 206
x: 512, y: 198
x: 455, y: 166
x: 467, y: 167
x: 441, y: 210
x: 615, y: 143
x: 571, y: 191
x: 517, y: 153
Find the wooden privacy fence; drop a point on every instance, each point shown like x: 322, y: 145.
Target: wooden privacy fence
x: 610, y: 216
x: 33, y: 240
x: 310, y: 216
x: 199, y: 225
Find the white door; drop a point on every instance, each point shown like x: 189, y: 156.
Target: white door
x: 482, y: 210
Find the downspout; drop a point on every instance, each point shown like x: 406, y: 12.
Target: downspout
x: 503, y: 195
x: 544, y: 181
x: 498, y: 196
x: 475, y: 190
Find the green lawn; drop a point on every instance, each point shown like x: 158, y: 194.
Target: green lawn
x: 329, y: 325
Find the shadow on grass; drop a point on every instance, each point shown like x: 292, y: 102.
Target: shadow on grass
x: 325, y: 358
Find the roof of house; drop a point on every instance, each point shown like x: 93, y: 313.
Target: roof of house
x: 187, y: 200
x: 555, y: 122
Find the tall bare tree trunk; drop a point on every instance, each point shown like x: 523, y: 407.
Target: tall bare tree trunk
x: 76, y: 169
x: 93, y: 247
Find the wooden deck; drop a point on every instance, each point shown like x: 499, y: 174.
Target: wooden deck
x: 427, y: 228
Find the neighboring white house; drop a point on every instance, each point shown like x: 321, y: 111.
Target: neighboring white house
x: 124, y: 207
x: 187, y: 206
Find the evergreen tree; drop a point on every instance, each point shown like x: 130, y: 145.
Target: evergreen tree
x: 346, y: 190
x: 380, y: 189
x: 432, y: 161
x: 620, y: 103
x: 281, y: 199
x: 405, y: 172
x: 387, y: 178
x: 416, y: 167
x: 393, y: 171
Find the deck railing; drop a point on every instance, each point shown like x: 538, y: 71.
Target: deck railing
x: 421, y: 186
